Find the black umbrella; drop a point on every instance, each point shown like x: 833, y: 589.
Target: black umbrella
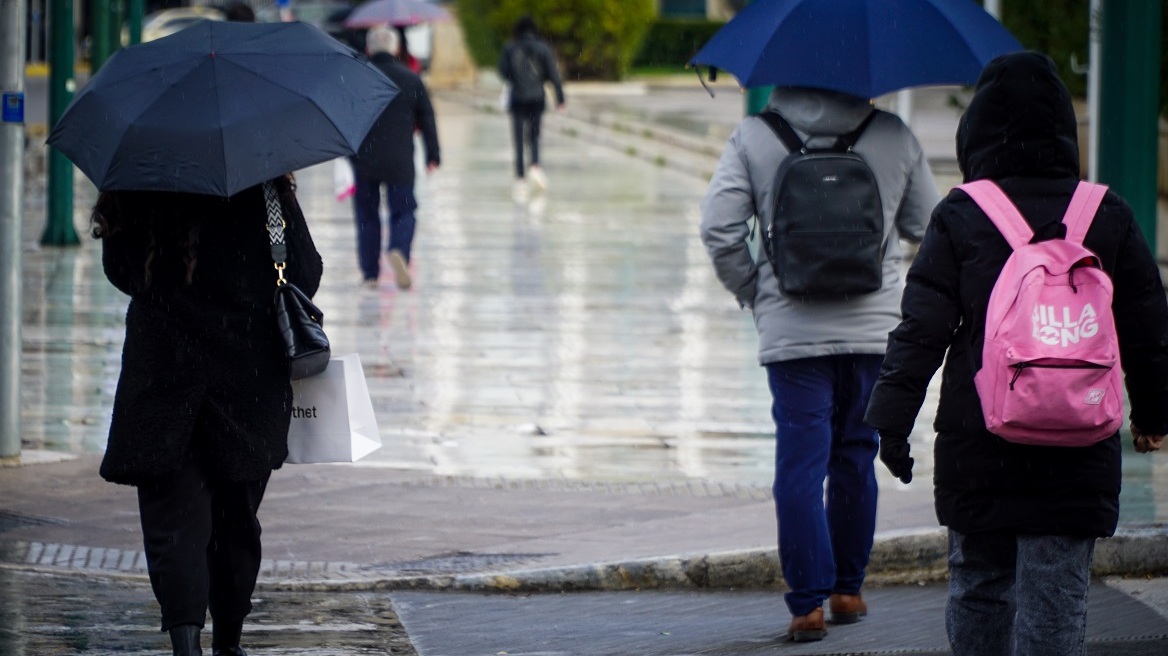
x: 220, y: 107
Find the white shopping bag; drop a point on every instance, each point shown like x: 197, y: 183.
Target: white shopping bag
x: 343, y: 183
x: 332, y: 415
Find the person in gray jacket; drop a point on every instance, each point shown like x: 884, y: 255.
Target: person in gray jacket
x: 822, y: 355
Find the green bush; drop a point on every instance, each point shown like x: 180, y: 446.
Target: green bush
x: 482, y: 40
x: 1060, y: 28
x: 670, y: 43
x: 594, y: 39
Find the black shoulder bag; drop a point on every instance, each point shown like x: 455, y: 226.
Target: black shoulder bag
x: 300, y: 322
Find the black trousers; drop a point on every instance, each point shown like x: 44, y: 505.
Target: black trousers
x: 525, y: 120
x: 202, y: 542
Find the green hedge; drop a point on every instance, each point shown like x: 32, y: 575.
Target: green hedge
x: 594, y: 39
x: 671, y: 42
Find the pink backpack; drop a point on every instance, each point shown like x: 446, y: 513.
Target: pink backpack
x: 1050, y: 370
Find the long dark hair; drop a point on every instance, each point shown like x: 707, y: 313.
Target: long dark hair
x: 171, y: 222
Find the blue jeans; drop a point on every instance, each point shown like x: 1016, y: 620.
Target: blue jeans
x: 366, y: 206
x: 1018, y: 594
x: 818, y: 410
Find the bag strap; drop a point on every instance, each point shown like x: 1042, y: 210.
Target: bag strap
x: 849, y: 139
x: 276, y: 227
x: 783, y: 131
x: 1081, y: 211
x: 1001, y: 210
x: 791, y: 140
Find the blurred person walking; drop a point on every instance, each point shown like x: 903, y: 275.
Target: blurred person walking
x: 526, y: 64
x: 1022, y: 519
x: 386, y: 158
x: 821, y: 353
x: 203, y: 401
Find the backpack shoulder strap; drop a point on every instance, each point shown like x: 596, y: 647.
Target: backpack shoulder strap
x: 1001, y: 210
x: 1084, y: 205
x: 783, y: 131
x: 849, y: 139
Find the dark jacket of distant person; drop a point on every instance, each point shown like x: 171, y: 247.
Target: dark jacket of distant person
x: 387, y: 154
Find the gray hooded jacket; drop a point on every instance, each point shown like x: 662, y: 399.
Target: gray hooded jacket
x: 742, y: 188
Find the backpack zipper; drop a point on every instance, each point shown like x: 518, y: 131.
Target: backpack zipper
x: 1028, y: 365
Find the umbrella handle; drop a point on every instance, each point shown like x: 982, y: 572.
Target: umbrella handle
x: 713, y: 76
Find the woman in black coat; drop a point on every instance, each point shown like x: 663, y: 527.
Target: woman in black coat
x: 203, y: 402
x: 1022, y: 519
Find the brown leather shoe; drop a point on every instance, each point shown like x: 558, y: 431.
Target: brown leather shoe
x: 847, y: 608
x: 807, y: 628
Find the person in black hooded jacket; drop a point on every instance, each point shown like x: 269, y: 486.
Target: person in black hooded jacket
x: 1022, y: 519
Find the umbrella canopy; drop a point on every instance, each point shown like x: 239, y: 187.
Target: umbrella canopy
x: 220, y: 107
x: 862, y: 47
x: 394, y: 12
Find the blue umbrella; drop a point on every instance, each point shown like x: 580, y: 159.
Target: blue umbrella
x: 862, y: 47
x: 220, y: 107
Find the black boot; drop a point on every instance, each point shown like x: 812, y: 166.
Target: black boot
x: 185, y: 640
x: 225, y: 640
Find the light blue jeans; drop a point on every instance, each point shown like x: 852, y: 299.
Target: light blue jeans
x: 1018, y: 595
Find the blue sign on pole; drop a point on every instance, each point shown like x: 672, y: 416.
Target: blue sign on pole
x: 12, y: 109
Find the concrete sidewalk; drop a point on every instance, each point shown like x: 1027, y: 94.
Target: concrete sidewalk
x: 537, y: 437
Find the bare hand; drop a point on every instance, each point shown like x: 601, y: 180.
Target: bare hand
x: 1144, y: 442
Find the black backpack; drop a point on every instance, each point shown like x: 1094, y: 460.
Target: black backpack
x: 527, y: 75
x: 827, y: 236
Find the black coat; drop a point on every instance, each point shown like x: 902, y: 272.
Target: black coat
x: 387, y: 154
x: 527, y: 86
x: 1019, y: 130
x: 203, y: 361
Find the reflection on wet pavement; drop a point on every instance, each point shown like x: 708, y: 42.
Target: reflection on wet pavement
x: 577, y: 334
x: 42, y: 615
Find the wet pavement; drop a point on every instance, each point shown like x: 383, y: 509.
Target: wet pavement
x: 568, y: 400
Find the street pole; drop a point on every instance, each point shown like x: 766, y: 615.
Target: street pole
x: 59, y: 228
x: 117, y: 17
x: 99, y: 34
x: 135, y: 20
x: 1094, y: 71
x: 12, y: 25
x: 1129, y: 106
x: 757, y: 97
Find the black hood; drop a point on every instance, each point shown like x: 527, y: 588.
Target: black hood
x: 1020, y: 122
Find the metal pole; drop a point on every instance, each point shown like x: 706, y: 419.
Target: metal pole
x: 117, y: 17
x: 1094, y: 67
x: 59, y: 228
x: 135, y: 20
x: 993, y: 8
x: 1129, y: 106
x: 12, y: 26
x: 99, y: 34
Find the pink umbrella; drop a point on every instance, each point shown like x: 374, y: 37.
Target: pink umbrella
x: 395, y: 12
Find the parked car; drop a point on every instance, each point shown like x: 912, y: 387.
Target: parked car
x: 165, y: 22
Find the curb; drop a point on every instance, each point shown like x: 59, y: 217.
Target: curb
x: 898, y: 558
